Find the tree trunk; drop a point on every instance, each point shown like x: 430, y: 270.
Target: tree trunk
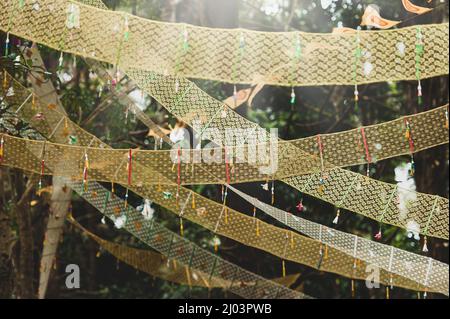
x: 6, y: 240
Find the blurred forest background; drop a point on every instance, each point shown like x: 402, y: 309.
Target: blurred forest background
x: 23, y: 216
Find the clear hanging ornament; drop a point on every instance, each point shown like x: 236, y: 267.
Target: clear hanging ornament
x: 7, y: 45
x: 336, y: 219
x: 292, y: 96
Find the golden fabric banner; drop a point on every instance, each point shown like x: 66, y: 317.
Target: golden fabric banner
x: 227, y: 55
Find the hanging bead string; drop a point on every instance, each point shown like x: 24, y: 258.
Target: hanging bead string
x: 394, y: 191
x: 272, y: 190
x: 42, y: 166
x: 177, y: 197
x: 419, y: 49
x: 182, y: 213
x: 215, y: 238
x: 129, y: 171
x: 355, y: 245
x: 295, y: 60
x: 20, y: 5
x: 425, y: 284
x: 283, y: 263
x: 105, y: 204
x: 237, y: 63
x: 62, y: 41
x: 227, y: 166
x: 319, y: 263
x: 2, y: 149
x: 366, y: 149
x: 338, y: 212
x: 184, y: 47
x: 358, y: 54
x: 409, y: 137
x: 446, y: 118
x: 5, y: 80
x: 85, y: 171
x: 391, y: 280
x: 228, y: 180
x: 425, y: 232
x: 124, y: 38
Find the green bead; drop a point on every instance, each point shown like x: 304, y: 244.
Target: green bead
x: 419, y: 48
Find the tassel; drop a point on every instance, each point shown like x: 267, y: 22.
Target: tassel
x: 283, y: 265
x: 408, y: 130
x: 7, y: 44
x: 126, y: 199
x: 97, y: 254
x: 425, y: 246
x: 181, y: 227
x: 5, y: 80
x: 193, y: 201
x: 33, y: 102
x: 300, y: 206
x: 336, y: 219
x: 2, y: 149
x: 60, y: 61
x: 353, y: 288
x: 412, y: 170
x: 387, y: 293
x: 216, y: 244
x: 273, y: 193
x: 446, y: 119
x: 378, y: 235
x: 226, y: 215
x: 65, y: 132
x: 178, y: 176
x: 42, y: 173
x: 85, y: 172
